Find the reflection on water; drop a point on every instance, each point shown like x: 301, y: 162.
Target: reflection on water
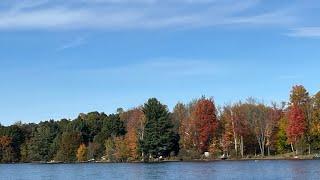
x: 277, y: 169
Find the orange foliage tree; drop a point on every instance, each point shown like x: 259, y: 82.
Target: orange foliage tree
x: 205, y: 121
x: 134, y: 125
x: 227, y: 124
x: 6, y: 150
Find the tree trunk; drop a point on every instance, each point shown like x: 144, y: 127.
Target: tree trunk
x: 294, y: 150
x: 261, y: 146
x: 241, y: 144
x: 268, y: 150
x: 309, y: 149
x: 234, y: 135
x: 235, y: 146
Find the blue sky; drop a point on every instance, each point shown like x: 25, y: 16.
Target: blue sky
x: 59, y: 58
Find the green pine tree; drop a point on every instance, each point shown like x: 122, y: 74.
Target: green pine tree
x: 159, y: 138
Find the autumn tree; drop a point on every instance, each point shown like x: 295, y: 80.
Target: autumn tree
x: 189, y: 133
x: 110, y: 150
x: 315, y: 126
x: 296, y: 126
x: 111, y: 126
x: 240, y: 126
x: 205, y: 123
x: 82, y: 153
x: 18, y: 135
x: 134, y: 120
x: 282, y: 139
x: 300, y: 97
x: 122, y: 151
x: 228, y: 131
x: 178, y: 115
x: 262, y: 119
x: 116, y: 149
x: 257, y: 117
x: 181, y: 123
x: 6, y: 149
x: 94, y: 150
x: 272, y: 127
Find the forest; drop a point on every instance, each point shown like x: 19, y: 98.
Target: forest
x: 243, y: 129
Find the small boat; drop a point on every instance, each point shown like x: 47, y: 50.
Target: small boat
x: 91, y: 160
x: 224, y: 157
x: 54, y: 162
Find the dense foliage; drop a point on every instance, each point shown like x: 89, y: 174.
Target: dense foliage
x: 159, y: 139
x: 149, y: 132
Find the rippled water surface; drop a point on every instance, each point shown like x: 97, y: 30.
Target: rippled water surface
x: 277, y: 169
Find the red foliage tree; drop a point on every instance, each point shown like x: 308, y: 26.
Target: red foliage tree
x: 205, y: 122
x: 296, y: 124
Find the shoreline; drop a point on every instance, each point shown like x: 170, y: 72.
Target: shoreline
x: 172, y: 161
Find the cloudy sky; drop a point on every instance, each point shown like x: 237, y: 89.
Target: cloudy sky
x: 62, y: 57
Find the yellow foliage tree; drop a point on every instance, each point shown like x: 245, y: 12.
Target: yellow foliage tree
x: 316, y: 115
x: 121, y: 149
x: 82, y: 153
x: 134, y: 120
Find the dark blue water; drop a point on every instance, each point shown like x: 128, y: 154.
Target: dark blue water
x: 280, y: 169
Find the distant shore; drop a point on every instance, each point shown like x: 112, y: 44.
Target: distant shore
x: 288, y: 156
x: 299, y: 158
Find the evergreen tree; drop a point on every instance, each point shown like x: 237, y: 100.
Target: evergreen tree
x: 159, y: 138
x: 40, y: 145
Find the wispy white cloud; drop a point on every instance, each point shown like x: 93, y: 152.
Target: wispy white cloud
x: 29, y: 4
x: 275, y: 18
x: 136, y: 14
x: 305, y: 32
x: 72, y: 44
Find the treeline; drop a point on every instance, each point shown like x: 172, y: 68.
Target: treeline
x: 242, y: 129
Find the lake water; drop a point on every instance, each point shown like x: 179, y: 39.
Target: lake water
x: 267, y: 169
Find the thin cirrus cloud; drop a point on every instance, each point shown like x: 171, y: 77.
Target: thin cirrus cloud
x: 72, y: 44
x: 306, y: 32
x: 136, y: 14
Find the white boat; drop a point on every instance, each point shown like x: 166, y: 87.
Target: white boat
x: 224, y: 157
